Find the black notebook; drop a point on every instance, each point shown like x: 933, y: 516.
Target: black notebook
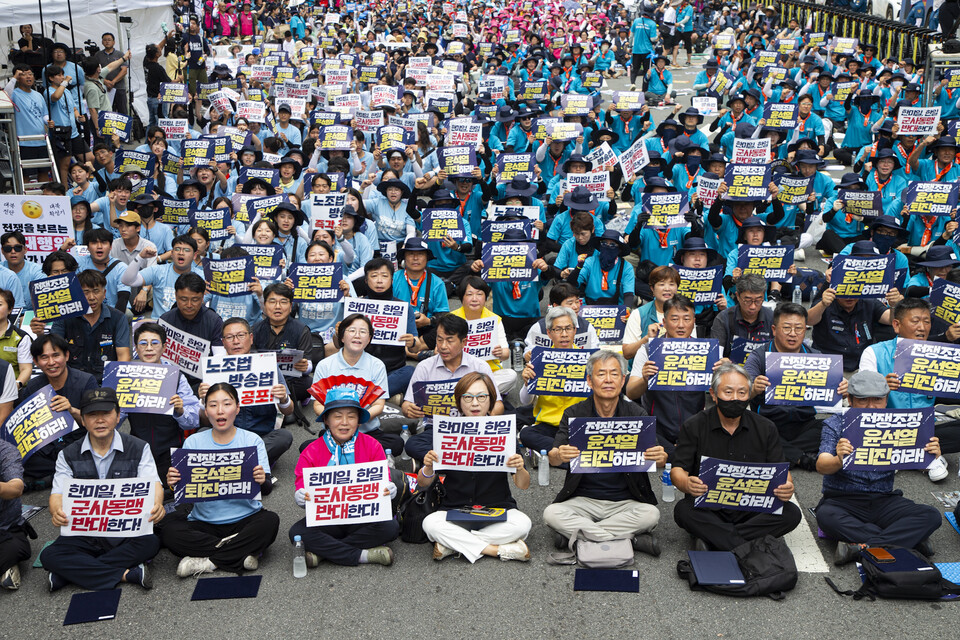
x: 627, y: 581
x: 715, y: 567
x: 93, y: 606
x: 226, y: 588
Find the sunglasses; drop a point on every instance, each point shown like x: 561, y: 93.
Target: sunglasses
x: 11, y: 248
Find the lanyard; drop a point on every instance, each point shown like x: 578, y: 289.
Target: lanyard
x: 876, y: 178
x: 415, y: 290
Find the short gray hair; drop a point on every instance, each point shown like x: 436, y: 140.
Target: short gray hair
x: 603, y: 355
x: 724, y: 369
x: 751, y: 283
x: 554, y: 313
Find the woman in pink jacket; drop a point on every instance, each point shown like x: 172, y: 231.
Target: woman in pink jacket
x: 340, y: 443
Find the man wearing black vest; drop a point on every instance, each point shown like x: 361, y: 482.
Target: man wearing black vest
x: 104, y: 453
x: 101, y: 335
x: 50, y: 354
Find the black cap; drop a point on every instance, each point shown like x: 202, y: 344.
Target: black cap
x: 103, y: 399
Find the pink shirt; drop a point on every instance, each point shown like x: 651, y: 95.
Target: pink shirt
x: 317, y: 455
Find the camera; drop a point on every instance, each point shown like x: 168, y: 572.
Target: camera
x: 91, y: 47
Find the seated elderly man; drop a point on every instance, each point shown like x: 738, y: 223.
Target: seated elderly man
x: 604, y: 506
x: 730, y: 432
x: 860, y: 507
x: 104, y: 453
x: 561, y: 323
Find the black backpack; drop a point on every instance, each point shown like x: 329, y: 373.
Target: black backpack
x: 417, y: 506
x: 766, y: 563
x: 920, y: 580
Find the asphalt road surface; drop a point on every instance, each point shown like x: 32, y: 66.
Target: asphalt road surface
x: 420, y: 598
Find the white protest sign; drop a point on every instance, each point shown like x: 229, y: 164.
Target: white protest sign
x: 108, y: 508
x: 347, y: 494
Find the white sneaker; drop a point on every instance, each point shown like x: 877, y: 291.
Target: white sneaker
x: 799, y: 255
x: 514, y: 551
x: 251, y: 563
x: 938, y: 470
x: 11, y: 578
x: 440, y: 551
x: 194, y: 567
x: 633, y: 87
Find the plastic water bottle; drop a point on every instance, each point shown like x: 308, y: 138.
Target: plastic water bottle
x: 391, y: 461
x: 797, y: 295
x: 667, y: 484
x: 543, y: 472
x: 405, y: 435
x: 299, y: 559
x: 517, y: 356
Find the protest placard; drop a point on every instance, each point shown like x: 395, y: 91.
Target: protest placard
x: 480, y: 337
x: 389, y: 318
x: 493, y: 230
x: 128, y: 160
x: 45, y: 221
x: 142, y: 387
x: 888, y: 439
x: 177, y: 212
x: 174, y: 128
x: 576, y: 104
x: 565, y: 131
x: 229, y: 277
x: 33, y: 424
x: 222, y: 474
x: 317, y: 282
x: 515, y: 165
x: 780, y: 116
x: 597, y: 183
x: 803, y: 379
x: 506, y: 262
x: 385, y: 96
x: 627, y: 100
x: 706, y: 105
x: 854, y: 277
x: 533, y: 91
x: 174, y: 93
x: 601, y: 156
x: 435, y: 397
x: 183, y: 349
x: 475, y: 444
x: 613, y: 445
x: 110, y: 123
x: 707, y: 189
x: 701, y: 286
x: 607, y: 320
x: 108, y: 508
x: 393, y: 137
x: 336, y: 137
x: 347, y: 494
x: 770, y: 262
x: 751, y: 150
x: 464, y: 132
x: 927, y: 368
x: 862, y: 203
x: 253, y: 375
x: 457, y: 161
x: 437, y: 224
x: 559, y: 372
x: 286, y: 358
x: 917, y: 121
x: 930, y: 198
x: 326, y: 209
x: 667, y: 210
x: 683, y: 364
x: 741, y: 486
x: 266, y: 260
x: 215, y: 222
x: 58, y: 298
x: 844, y: 46
x: 793, y: 189
x: 765, y: 58
x: 747, y: 182
x: 945, y: 300
x: 741, y: 348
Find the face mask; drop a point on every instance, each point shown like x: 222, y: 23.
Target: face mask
x: 668, y: 135
x: 608, y: 256
x: 732, y: 408
x: 651, y: 171
x: 865, y: 108
x: 693, y: 162
x: 884, y: 243
x: 896, y: 84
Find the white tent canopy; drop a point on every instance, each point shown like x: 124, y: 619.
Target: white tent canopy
x: 90, y: 20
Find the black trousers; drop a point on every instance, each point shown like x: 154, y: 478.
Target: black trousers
x: 14, y: 547
x: 798, y: 438
x: 949, y: 435
x: 419, y: 445
x: 96, y: 563
x: 831, y: 242
x: 342, y: 544
x: 725, y: 529
x: 538, y: 437
x: 948, y: 16
x: 639, y: 65
x: 185, y: 537
x: 516, y: 328
x: 877, y: 519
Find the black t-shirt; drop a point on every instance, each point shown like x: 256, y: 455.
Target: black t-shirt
x: 156, y: 74
x: 194, y: 48
x: 468, y: 488
x: 848, y: 333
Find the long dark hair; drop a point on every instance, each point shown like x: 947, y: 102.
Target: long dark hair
x: 225, y: 387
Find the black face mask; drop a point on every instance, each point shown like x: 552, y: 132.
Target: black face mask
x: 884, y: 243
x: 669, y: 134
x: 732, y: 408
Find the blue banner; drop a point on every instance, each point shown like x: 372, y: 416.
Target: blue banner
x: 560, y: 372
x: 266, y: 260
x: 437, y: 224
x: 435, y: 397
x: 803, y: 379
x: 33, y: 424
x: 747, y: 182
x: 509, y: 261
x: 769, y: 262
x: 683, y: 364
x: 702, y: 286
x: 855, y: 277
x: 58, y: 298
x: 613, y: 445
x: 741, y: 486
x: 206, y: 476
x: 229, y: 278
x: 927, y: 368
x: 608, y: 321
x: 317, y: 282
x: 142, y: 387
x: 888, y: 438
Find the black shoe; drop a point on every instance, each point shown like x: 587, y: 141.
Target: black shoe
x: 560, y: 541
x: 700, y: 544
x: 774, y: 296
x: 140, y: 575
x: 926, y: 548
x: 807, y: 462
x: 847, y: 552
x: 647, y: 543
x: 289, y: 420
x: 55, y: 582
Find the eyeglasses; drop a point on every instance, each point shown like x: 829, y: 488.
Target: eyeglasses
x: 357, y: 332
x: 148, y: 343
x: 750, y: 302
x: 10, y: 248
x: 563, y: 329
x: 236, y: 336
x: 475, y: 399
